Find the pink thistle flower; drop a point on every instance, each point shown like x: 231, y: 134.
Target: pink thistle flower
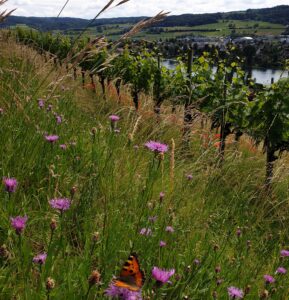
x: 281, y: 270
x: 10, y: 184
x: 162, y: 195
x: 162, y: 276
x: 162, y: 244
x: 235, y: 293
x: 114, y: 118
x: 51, y: 138
x: 189, y: 176
x: 58, y: 119
x: 146, y: 231
x: 170, y: 229
x: 197, y: 262
x: 60, y: 204
x: 153, y: 219
x: 269, y: 278
x: 157, y: 147
x: 41, y: 103
x: 284, y: 253
x: 19, y: 223
x: 63, y: 146
x: 122, y: 293
x: 40, y: 258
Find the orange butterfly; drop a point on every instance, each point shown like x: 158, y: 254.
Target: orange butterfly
x: 131, y: 276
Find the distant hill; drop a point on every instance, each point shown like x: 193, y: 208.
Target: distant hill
x: 277, y: 14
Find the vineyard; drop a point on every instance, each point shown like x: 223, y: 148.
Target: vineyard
x: 106, y: 153
x: 228, y: 98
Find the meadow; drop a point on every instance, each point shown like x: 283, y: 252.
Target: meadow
x: 85, y: 184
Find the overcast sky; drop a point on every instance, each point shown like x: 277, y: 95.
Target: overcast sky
x: 89, y: 8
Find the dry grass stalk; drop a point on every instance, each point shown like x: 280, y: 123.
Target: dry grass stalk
x: 4, y: 14
x: 131, y: 136
x: 143, y: 24
x: 172, y: 165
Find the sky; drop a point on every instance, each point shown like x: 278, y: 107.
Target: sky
x: 89, y: 8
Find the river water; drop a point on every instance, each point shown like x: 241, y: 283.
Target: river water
x: 262, y: 76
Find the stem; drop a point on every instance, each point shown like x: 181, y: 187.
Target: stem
x: 87, y: 294
x: 270, y: 158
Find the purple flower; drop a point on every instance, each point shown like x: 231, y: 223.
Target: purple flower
x: 238, y: 232
x: 51, y: 138
x: 122, y: 293
x: 162, y: 195
x: 61, y: 204
x: 281, y: 270
x: 162, y: 276
x: 170, y: 229
x: 284, y: 253
x: 114, y: 118
x: 153, y: 219
x: 162, y: 244
x: 146, y: 231
x: 189, y: 176
x: 58, y: 119
x: 269, y: 278
x: 10, y: 184
x: 49, y: 108
x: 156, y: 146
x: 63, y: 146
x: 40, y: 258
x: 196, y: 262
x: 18, y: 223
x: 235, y: 293
x: 41, y: 103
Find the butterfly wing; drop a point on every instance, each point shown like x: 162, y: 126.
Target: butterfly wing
x: 131, y: 276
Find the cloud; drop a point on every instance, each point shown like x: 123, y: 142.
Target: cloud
x: 88, y: 9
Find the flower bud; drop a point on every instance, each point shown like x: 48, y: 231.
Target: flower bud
x: 73, y: 191
x: 247, y: 289
x: 94, y: 278
x: 95, y: 236
x: 53, y: 224
x: 50, y: 284
x: 4, y: 253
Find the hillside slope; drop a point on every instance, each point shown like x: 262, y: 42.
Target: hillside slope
x: 216, y: 227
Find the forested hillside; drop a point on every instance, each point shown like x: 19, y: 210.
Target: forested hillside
x: 278, y: 14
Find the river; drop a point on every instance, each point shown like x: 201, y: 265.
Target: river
x: 262, y: 76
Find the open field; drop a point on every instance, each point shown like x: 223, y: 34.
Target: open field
x: 221, y: 29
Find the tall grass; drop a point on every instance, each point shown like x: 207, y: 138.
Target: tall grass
x: 220, y: 216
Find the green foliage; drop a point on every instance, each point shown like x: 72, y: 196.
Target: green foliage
x: 268, y: 119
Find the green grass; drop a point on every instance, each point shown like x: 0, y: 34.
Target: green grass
x: 117, y: 190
